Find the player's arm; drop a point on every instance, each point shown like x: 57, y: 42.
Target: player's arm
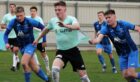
x: 101, y: 35
x: 3, y: 26
x: 97, y: 40
x: 41, y: 26
x: 44, y: 32
x: 8, y: 30
x: 38, y: 25
x: 74, y: 26
x: 3, y: 23
x: 95, y: 32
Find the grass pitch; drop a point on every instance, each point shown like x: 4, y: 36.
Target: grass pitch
x: 66, y: 75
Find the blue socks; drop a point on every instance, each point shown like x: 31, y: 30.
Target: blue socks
x: 101, y: 59
x: 42, y: 75
x: 112, y: 62
x: 27, y: 76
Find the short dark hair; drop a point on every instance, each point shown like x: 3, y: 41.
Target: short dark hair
x: 60, y: 3
x: 111, y: 11
x: 12, y: 4
x: 19, y: 9
x: 101, y: 12
x: 33, y: 7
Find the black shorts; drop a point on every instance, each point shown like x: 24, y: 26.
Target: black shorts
x: 40, y: 48
x: 73, y: 55
x: 13, y: 42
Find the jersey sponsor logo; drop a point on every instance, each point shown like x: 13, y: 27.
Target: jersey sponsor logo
x: 132, y: 64
x: 63, y: 30
x: 117, y: 39
x: 29, y: 51
x: 20, y: 34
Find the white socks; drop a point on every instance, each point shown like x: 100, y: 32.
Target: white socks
x: 46, y: 61
x: 15, y: 60
x: 55, y: 73
x: 36, y: 59
x: 85, y: 78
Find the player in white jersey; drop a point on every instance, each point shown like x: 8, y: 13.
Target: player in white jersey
x: 41, y: 45
x: 66, y: 29
x: 12, y: 36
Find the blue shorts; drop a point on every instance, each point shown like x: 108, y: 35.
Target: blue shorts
x: 106, y: 48
x: 129, y: 60
x: 28, y: 49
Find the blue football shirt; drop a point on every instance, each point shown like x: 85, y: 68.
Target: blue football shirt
x: 97, y: 26
x: 23, y: 30
x: 120, y: 36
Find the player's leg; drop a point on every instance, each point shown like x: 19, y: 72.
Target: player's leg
x: 27, y: 52
x: 46, y: 61
x: 77, y: 62
x: 14, y: 49
x: 25, y: 63
x: 128, y: 64
x: 83, y: 75
x: 99, y: 48
x: 37, y: 69
x: 44, y: 56
x: 59, y: 62
x: 36, y: 59
x: 108, y: 50
x: 129, y: 74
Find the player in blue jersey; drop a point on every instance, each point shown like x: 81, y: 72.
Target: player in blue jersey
x: 118, y: 32
x: 66, y: 29
x: 104, y: 45
x: 12, y: 36
x: 23, y: 28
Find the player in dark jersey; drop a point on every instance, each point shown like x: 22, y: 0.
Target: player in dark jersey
x: 118, y: 32
x: 23, y: 28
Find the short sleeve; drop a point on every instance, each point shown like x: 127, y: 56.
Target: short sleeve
x: 3, y: 20
x: 33, y: 22
x: 74, y: 20
x: 41, y: 21
x: 104, y: 30
x: 128, y: 25
x: 50, y: 25
x: 10, y: 25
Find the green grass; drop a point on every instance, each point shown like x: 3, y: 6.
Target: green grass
x: 92, y: 64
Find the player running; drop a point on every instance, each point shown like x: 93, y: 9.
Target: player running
x: 12, y: 36
x: 118, y: 32
x: 66, y: 29
x: 23, y: 28
x: 104, y: 45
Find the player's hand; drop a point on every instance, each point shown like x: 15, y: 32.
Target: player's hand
x: 90, y: 42
x: 61, y: 24
x: 7, y: 46
x: 44, y: 44
x: 35, y: 42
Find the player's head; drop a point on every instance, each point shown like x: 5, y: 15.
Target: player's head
x: 110, y: 17
x: 33, y: 11
x: 12, y: 7
x: 60, y: 9
x: 20, y: 14
x: 100, y: 15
